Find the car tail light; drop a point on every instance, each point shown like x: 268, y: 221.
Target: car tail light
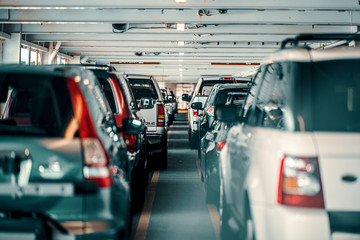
x: 161, y: 115
x: 300, y: 182
x: 220, y: 146
x: 96, y: 159
x: 96, y: 162
x: 210, y: 111
x: 131, y: 142
x: 195, y: 113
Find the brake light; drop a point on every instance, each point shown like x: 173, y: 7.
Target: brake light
x: 96, y: 159
x: 131, y: 142
x: 96, y: 162
x: 161, y: 115
x: 220, y: 146
x: 210, y: 111
x: 195, y: 113
x: 300, y: 183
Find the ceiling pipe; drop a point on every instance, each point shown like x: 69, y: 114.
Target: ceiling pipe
x: 54, y: 52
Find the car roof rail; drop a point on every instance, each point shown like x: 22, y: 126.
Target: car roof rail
x: 320, y: 37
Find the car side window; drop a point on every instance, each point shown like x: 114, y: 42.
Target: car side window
x: 247, y: 110
x: 270, y: 103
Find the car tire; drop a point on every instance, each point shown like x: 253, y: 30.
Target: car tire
x: 226, y: 233
x: 193, y: 140
x: 163, y: 157
x: 211, y: 195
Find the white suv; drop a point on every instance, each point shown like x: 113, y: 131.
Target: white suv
x: 291, y: 170
x: 200, y: 94
x: 152, y: 109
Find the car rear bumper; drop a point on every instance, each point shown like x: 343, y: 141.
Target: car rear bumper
x: 156, y: 142
x: 281, y: 223
x: 103, y: 211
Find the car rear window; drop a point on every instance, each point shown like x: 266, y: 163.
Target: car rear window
x: 207, y: 85
x: 222, y: 96
x: 35, y: 105
x: 333, y: 96
x: 143, y: 88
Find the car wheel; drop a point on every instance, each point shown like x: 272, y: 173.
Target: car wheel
x: 125, y: 233
x: 226, y: 232
x: 193, y: 140
x: 163, y: 157
x: 249, y: 233
x: 211, y: 195
x: 202, y: 167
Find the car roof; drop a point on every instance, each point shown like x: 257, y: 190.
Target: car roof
x: 26, y: 69
x: 220, y: 86
x: 138, y: 76
x: 225, y: 78
x: 305, y: 54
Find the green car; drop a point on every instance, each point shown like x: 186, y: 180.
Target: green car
x: 64, y: 171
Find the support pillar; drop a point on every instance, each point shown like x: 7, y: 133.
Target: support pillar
x: 12, y: 49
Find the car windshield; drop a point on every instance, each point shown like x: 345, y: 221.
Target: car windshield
x: 333, y: 96
x: 35, y: 105
x: 143, y: 88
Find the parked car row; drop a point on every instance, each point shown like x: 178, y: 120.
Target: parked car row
x: 283, y: 162
x: 73, y: 150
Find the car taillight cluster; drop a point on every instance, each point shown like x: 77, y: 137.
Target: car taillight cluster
x: 131, y: 142
x: 161, y: 115
x: 220, y: 146
x: 96, y: 159
x: 300, y: 182
x: 195, y: 113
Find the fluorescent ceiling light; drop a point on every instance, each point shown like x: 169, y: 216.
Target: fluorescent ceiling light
x: 181, y: 60
x: 180, y: 1
x: 180, y: 26
x: 181, y: 53
x: 181, y: 43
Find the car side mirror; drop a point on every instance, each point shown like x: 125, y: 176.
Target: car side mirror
x: 226, y: 113
x: 146, y: 103
x: 197, y: 105
x: 185, y: 97
x: 132, y: 126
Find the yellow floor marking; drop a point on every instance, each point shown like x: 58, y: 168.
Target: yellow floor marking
x: 146, y: 212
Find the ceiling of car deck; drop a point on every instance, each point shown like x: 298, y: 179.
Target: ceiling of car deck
x: 223, y: 37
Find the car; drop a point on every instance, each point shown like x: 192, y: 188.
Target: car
x: 200, y: 94
x: 169, y: 104
x: 215, y: 138
x: 152, y: 108
x: 217, y: 96
x: 290, y: 168
x: 121, y: 108
x: 64, y: 168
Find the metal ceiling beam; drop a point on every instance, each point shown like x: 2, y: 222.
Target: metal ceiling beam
x: 161, y: 28
x: 170, y: 44
x: 173, y: 50
x: 175, y: 16
x: 171, y: 56
x: 155, y: 37
x: 229, y: 4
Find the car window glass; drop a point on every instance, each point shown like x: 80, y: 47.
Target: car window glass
x: 248, y: 105
x: 109, y: 94
x: 33, y: 106
x: 143, y: 88
x: 271, y: 99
